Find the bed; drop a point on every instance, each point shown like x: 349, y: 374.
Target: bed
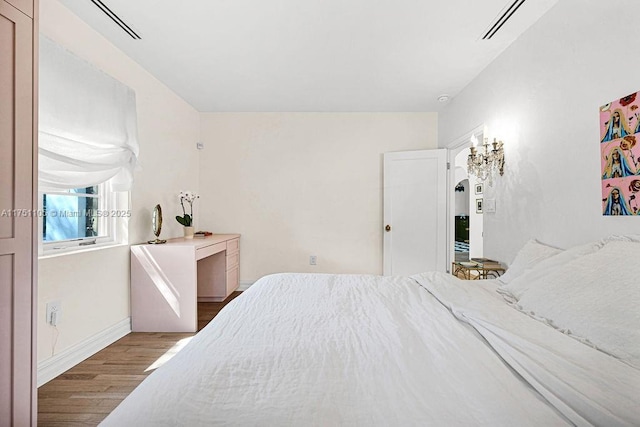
x: 554, y: 342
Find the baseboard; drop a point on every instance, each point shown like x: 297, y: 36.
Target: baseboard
x: 50, y: 368
x: 244, y: 285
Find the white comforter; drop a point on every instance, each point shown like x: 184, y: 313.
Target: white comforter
x: 587, y: 385
x: 304, y: 350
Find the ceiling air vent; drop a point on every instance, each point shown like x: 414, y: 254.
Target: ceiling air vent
x: 508, y: 12
x: 115, y: 18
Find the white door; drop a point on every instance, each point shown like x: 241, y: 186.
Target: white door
x: 415, y: 212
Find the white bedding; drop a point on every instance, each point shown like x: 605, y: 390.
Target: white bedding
x: 587, y: 385
x: 305, y: 350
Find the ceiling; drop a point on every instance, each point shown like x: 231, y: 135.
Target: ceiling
x: 312, y: 55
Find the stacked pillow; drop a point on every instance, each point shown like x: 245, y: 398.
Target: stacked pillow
x: 532, y: 253
x: 536, y: 259
x: 591, y: 292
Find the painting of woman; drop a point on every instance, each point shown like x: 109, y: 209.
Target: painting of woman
x: 616, y: 126
x: 617, y: 165
x: 616, y: 204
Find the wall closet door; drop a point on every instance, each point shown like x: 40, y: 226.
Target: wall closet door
x: 17, y: 260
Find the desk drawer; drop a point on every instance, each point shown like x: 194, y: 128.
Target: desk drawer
x: 233, y: 280
x: 233, y: 260
x: 209, y: 250
x: 233, y: 246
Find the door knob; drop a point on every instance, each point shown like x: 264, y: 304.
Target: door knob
x: 388, y: 228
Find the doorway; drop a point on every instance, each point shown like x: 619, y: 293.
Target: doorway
x: 461, y: 220
x: 465, y: 217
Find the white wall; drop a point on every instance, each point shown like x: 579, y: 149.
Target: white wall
x: 301, y: 184
x: 94, y: 286
x: 541, y: 96
x: 462, y: 198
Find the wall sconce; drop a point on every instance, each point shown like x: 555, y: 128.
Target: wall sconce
x: 485, y: 163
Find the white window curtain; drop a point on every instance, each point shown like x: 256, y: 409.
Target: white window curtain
x: 87, y: 124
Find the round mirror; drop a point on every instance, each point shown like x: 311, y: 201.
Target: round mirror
x: 156, y: 222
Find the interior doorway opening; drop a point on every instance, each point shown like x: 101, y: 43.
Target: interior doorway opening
x: 461, y: 221
x: 465, y: 217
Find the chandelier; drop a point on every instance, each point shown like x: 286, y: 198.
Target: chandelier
x: 484, y: 162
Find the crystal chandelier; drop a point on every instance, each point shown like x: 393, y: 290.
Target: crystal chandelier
x: 485, y: 162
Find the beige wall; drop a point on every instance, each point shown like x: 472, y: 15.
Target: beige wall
x: 93, y: 287
x: 301, y: 184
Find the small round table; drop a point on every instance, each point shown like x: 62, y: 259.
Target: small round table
x: 485, y: 270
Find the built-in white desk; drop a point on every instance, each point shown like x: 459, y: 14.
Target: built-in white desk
x: 168, y: 280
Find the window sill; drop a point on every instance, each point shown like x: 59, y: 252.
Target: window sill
x: 55, y: 253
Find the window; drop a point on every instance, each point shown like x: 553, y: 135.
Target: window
x: 87, y: 152
x: 78, y: 217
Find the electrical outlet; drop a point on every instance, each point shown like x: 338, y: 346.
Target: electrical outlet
x: 54, y: 312
x: 313, y: 260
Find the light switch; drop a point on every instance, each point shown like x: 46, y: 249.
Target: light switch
x: 490, y: 205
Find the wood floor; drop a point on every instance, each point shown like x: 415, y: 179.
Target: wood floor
x: 88, y: 392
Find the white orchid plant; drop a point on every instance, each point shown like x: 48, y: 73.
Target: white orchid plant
x: 187, y: 218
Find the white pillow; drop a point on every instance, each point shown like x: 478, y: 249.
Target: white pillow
x: 626, y: 238
x: 593, y: 297
x: 531, y: 254
x: 514, y: 290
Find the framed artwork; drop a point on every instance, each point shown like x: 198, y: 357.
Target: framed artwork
x: 479, y: 188
x: 620, y: 155
x: 479, y: 206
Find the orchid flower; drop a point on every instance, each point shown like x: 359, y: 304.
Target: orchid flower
x: 187, y: 218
